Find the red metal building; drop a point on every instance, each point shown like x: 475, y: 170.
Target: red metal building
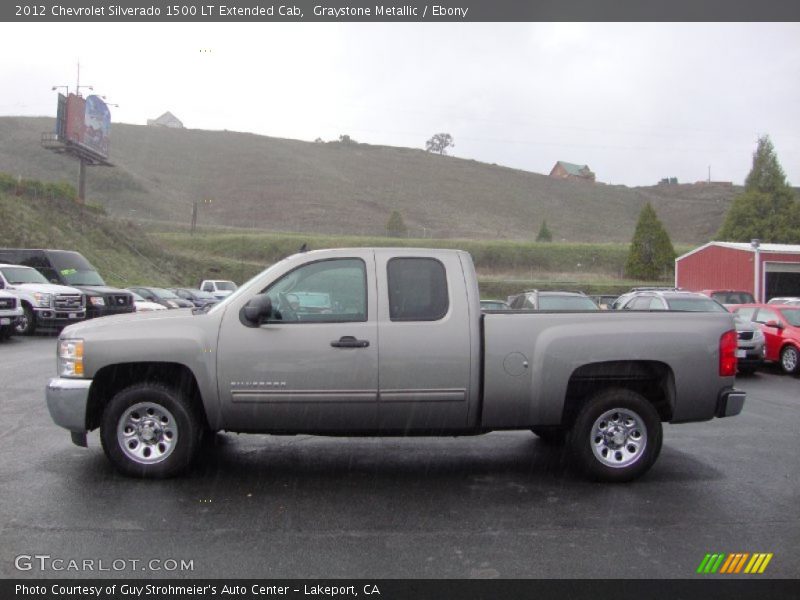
x: 765, y: 270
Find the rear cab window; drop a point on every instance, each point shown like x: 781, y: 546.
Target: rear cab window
x: 417, y: 289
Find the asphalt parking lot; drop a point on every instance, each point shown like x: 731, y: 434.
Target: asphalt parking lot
x: 498, y: 505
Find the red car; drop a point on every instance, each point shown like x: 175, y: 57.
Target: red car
x: 781, y: 326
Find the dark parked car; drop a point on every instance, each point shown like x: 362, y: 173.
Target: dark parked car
x: 162, y: 296
x: 199, y: 298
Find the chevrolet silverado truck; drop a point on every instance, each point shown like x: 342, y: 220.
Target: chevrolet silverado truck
x: 389, y: 342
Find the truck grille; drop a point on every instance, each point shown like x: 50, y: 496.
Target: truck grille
x: 69, y: 301
x: 119, y: 300
x: 6, y: 303
x: 745, y: 335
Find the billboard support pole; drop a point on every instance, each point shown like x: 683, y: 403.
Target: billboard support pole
x: 82, y: 182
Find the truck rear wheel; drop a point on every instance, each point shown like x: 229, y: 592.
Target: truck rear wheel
x: 149, y: 430
x: 617, y: 436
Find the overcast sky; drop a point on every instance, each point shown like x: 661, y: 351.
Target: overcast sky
x: 636, y: 102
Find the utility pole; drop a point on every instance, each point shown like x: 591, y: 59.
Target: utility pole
x: 194, y: 217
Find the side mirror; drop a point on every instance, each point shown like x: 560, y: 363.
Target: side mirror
x: 775, y: 324
x: 256, y: 310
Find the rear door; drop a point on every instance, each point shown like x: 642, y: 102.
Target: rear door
x: 424, y: 349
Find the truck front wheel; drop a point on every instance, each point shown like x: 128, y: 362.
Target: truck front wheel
x: 149, y: 430
x: 26, y: 324
x: 616, y: 436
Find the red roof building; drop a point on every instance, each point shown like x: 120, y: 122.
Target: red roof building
x: 764, y: 270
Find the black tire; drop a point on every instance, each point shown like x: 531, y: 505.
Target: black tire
x: 5, y: 332
x: 619, y: 407
x: 790, y: 360
x: 552, y: 436
x: 26, y: 324
x: 165, y: 452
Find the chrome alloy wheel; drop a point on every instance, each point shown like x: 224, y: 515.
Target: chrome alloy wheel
x: 789, y: 359
x: 147, y: 433
x: 619, y: 438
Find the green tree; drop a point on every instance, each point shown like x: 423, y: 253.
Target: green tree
x: 544, y: 235
x: 651, y: 255
x: 439, y: 143
x: 768, y: 209
x: 395, y: 226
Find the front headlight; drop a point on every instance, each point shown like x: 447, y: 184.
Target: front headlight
x: 42, y: 300
x: 97, y: 301
x: 70, y: 358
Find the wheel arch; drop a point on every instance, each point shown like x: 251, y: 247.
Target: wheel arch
x: 654, y: 380
x: 113, y: 378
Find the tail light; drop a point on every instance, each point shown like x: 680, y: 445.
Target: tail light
x: 727, y: 353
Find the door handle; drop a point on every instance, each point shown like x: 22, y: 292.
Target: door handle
x: 348, y: 341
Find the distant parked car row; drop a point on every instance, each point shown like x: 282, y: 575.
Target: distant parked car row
x: 48, y: 289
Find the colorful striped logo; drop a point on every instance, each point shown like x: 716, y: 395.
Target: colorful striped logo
x: 728, y: 564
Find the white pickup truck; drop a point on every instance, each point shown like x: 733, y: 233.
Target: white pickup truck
x: 44, y: 304
x: 389, y: 342
x: 10, y: 312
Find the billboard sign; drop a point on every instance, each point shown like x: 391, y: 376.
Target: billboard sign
x: 97, y: 124
x: 85, y: 123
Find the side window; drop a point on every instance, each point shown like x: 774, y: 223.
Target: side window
x: 417, y: 289
x: 657, y: 304
x: 208, y: 287
x: 328, y: 291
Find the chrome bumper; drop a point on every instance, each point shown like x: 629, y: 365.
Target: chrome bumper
x: 730, y: 403
x: 67, y: 400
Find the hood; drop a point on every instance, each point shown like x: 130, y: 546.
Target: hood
x: 46, y: 288
x: 744, y: 324
x: 133, y: 319
x: 102, y: 289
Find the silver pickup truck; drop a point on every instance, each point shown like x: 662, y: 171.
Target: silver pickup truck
x: 389, y: 342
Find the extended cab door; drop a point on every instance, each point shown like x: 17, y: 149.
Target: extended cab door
x: 313, y: 365
x: 426, y: 351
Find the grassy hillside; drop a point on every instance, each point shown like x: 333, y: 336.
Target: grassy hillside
x: 122, y: 253
x: 333, y: 188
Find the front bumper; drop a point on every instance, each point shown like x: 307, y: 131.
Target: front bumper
x: 67, y: 400
x: 730, y: 403
x: 92, y: 311
x: 50, y: 317
x: 11, y: 315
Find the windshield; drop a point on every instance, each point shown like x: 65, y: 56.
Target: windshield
x: 163, y: 294
x: 74, y: 268
x: 695, y: 305
x: 733, y: 297
x: 16, y: 275
x: 566, y: 303
x: 137, y: 297
x: 226, y: 286
x: 792, y: 316
x: 81, y: 277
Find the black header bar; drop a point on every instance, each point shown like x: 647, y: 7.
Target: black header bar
x: 401, y: 11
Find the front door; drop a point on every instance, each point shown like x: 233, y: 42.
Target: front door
x: 313, y: 365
